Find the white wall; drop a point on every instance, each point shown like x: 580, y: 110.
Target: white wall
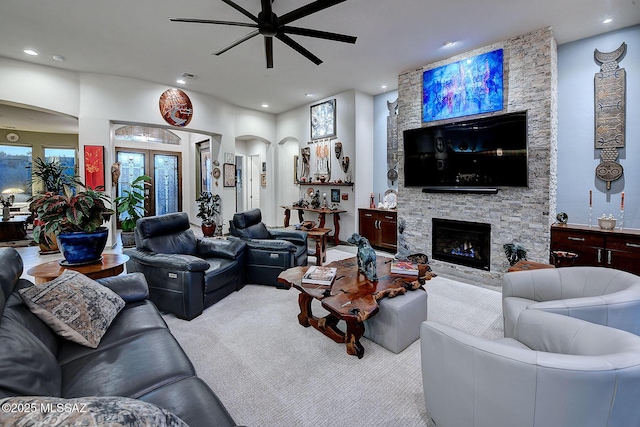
x: 577, y: 157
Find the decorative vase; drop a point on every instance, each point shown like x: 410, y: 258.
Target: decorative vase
x: 6, y: 213
x: 79, y: 247
x: 208, y: 230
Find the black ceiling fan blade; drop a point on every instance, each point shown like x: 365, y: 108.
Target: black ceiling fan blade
x: 298, y: 48
x: 306, y: 10
x: 242, y: 11
x: 268, y: 50
x: 209, y: 21
x: 237, y: 42
x: 318, y: 34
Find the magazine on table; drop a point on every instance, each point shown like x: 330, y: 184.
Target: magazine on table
x: 406, y: 268
x: 319, y: 275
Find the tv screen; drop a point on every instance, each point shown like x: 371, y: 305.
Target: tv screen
x: 483, y: 153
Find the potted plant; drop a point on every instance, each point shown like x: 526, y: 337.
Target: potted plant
x: 49, y: 177
x: 130, y: 207
x: 76, y: 220
x: 209, y: 206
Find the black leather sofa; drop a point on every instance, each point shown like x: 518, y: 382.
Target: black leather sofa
x: 185, y: 274
x: 269, y: 250
x: 136, y: 358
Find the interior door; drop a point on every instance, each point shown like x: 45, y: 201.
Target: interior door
x: 164, y: 194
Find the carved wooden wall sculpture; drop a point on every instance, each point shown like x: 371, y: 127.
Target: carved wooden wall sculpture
x: 610, y: 88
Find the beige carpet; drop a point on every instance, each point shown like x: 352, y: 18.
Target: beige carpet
x: 270, y: 371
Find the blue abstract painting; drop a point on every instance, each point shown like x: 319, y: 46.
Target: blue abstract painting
x: 470, y: 86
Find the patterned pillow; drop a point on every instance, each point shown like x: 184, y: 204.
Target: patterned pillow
x: 108, y: 411
x: 74, y: 306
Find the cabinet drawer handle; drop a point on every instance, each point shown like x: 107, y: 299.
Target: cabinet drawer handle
x: 609, y: 257
x: 633, y: 245
x: 599, y: 255
x: 577, y: 239
x: 388, y: 217
x: 369, y: 215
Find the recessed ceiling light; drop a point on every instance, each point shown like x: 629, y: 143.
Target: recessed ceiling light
x: 265, y: 105
x: 58, y: 58
x: 607, y: 21
x: 448, y: 43
x: 308, y: 94
x: 30, y: 52
x: 180, y: 81
x: 383, y: 86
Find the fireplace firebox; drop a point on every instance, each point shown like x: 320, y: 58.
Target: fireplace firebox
x: 461, y: 242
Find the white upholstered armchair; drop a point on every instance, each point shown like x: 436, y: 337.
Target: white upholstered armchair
x: 600, y: 295
x: 557, y: 371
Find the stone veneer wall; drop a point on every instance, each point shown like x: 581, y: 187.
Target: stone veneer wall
x: 520, y: 215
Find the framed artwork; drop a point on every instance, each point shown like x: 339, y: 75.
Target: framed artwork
x: 335, y: 195
x: 323, y: 119
x: 264, y: 167
x: 295, y: 169
x: 467, y: 87
x: 176, y: 107
x: 229, y: 175
x: 229, y: 158
x: 263, y: 180
x: 94, y: 166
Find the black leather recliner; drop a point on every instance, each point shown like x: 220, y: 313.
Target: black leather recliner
x: 185, y: 274
x: 269, y: 250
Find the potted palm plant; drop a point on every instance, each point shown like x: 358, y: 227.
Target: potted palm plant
x: 208, y: 211
x: 76, y: 221
x: 130, y: 207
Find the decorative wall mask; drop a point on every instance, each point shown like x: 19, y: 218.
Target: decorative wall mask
x: 345, y: 164
x: 610, y: 88
x: 338, y: 149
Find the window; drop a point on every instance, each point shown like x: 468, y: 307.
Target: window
x: 15, y: 169
x: 65, y: 156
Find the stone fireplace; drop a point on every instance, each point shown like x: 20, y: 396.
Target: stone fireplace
x: 462, y: 242
x: 515, y: 215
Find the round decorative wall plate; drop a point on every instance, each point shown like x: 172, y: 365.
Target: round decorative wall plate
x: 391, y: 198
x: 310, y: 192
x: 216, y: 173
x: 176, y: 107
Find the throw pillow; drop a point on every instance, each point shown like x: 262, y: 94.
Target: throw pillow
x: 74, y: 306
x: 107, y: 411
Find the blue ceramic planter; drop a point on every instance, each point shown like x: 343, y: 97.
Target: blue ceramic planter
x: 79, y: 247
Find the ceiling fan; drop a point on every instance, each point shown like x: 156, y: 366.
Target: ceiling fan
x: 271, y: 25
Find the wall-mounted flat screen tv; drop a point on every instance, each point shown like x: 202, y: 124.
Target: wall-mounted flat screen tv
x: 489, y: 152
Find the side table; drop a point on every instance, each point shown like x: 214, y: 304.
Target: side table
x: 319, y: 235
x: 111, y: 265
x: 524, y: 265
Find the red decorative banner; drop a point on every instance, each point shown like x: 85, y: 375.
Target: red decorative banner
x: 94, y: 166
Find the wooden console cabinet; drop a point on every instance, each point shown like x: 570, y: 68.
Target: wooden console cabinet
x: 380, y: 226
x: 617, y: 248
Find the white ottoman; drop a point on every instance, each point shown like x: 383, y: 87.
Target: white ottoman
x: 397, y: 323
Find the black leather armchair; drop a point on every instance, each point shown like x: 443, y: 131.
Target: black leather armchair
x: 185, y: 274
x: 269, y: 251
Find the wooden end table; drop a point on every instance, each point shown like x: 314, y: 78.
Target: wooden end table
x: 319, y: 235
x: 351, y: 297
x: 524, y: 265
x: 111, y: 265
x: 14, y: 228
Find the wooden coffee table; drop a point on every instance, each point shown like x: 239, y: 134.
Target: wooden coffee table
x: 351, y: 297
x: 111, y: 265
